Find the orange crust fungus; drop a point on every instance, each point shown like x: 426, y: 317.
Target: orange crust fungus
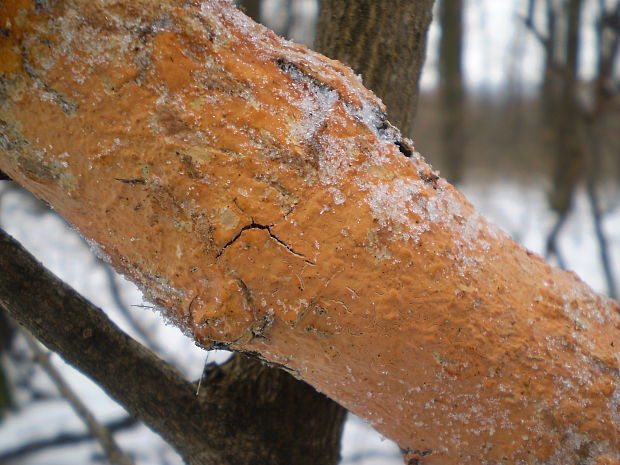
x: 254, y: 189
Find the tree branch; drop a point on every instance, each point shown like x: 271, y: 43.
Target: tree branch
x: 410, y: 309
x: 274, y: 408
x: 529, y: 24
x: 81, y: 333
x: 115, y: 292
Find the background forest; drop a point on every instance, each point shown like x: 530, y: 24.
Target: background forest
x: 519, y: 106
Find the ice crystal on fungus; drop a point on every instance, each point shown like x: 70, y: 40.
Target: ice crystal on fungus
x: 337, y: 195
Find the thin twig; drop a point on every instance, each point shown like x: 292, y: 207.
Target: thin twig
x: 552, y: 249
x: 111, y: 450
x: 597, y: 211
x: 205, y: 372
x: 63, y: 439
x: 529, y: 24
x: 597, y: 217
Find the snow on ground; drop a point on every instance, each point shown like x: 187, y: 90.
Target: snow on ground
x: 520, y: 210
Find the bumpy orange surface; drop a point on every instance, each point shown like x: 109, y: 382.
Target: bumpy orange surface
x: 254, y: 189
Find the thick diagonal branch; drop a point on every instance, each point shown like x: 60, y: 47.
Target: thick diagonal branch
x: 409, y: 309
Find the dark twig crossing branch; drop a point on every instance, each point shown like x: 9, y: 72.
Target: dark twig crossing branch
x: 112, y: 451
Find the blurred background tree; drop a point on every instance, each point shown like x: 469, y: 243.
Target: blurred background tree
x: 361, y: 34
x: 574, y: 109
x: 451, y: 88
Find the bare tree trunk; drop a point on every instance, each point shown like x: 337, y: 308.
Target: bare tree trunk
x: 569, y: 161
x: 254, y: 189
x: 565, y: 114
x: 549, y: 41
x: 385, y: 42
x: 451, y: 91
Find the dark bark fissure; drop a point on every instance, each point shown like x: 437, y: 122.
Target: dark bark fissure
x: 131, y: 181
x: 247, y: 412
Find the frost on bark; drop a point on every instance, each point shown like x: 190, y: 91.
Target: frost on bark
x: 255, y: 191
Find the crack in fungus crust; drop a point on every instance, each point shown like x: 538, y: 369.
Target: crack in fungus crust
x: 267, y: 228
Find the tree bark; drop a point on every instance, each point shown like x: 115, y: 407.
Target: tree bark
x: 383, y: 41
x: 255, y: 190
x: 451, y: 93
x: 246, y: 413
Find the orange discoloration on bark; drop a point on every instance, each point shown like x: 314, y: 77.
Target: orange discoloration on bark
x: 253, y: 189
